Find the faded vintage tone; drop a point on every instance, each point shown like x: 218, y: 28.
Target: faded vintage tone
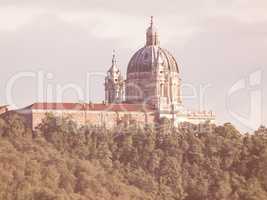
x: 151, y: 91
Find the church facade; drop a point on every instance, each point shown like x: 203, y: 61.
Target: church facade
x: 151, y: 91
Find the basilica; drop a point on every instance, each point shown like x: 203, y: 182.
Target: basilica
x: 150, y: 92
x: 153, y: 78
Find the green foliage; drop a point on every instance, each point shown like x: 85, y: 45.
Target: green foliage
x: 61, y: 161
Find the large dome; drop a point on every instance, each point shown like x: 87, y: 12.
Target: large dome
x: 147, y: 57
x: 152, y: 55
x: 153, y: 74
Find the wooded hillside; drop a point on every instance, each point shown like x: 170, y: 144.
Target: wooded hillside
x: 62, y: 162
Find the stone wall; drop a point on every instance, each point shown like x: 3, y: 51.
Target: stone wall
x: 108, y: 119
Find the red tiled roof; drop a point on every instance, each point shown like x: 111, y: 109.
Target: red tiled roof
x: 93, y: 107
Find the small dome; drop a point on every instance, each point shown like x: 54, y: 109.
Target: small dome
x: 114, y: 68
x: 149, y: 56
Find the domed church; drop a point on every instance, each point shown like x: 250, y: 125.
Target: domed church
x: 151, y: 91
x: 153, y: 78
x: 153, y: 75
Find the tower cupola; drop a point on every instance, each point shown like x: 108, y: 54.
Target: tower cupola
x: 152, y: 37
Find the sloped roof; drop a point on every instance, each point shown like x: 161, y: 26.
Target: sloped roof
x: 93, y: 107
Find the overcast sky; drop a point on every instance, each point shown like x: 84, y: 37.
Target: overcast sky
x: 216, y: 43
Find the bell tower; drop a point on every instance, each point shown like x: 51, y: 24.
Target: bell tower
x: 114, y: 84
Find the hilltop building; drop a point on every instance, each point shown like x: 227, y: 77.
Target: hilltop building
x: 152, y: 90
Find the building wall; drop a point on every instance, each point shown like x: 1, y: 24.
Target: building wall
x: 198, y: 118
x: 108, y: 119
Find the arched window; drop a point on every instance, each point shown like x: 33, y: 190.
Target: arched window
x: 174, y: 91
x: 162, y: 89
x: 166, y: 90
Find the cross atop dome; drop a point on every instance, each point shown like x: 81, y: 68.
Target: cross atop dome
x: 114, y: 57
x: 151, y: 20
x: 152, y: 37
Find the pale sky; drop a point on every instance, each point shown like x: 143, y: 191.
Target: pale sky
x: 216, y: 43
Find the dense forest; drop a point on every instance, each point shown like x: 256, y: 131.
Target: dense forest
x: 60, y: 161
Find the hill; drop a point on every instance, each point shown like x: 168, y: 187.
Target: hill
x: 63, y: 162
